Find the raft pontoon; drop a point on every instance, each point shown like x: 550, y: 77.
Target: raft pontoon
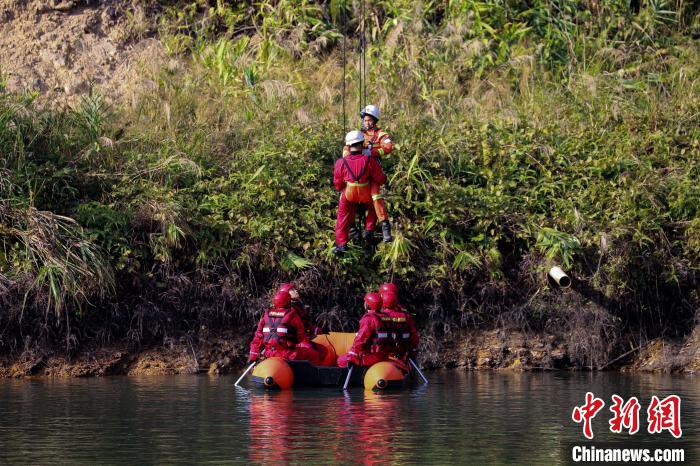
x: 283, y: 374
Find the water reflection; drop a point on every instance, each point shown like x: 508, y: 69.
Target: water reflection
x: 462, y: 418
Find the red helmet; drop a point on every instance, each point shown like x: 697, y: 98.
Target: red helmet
x: 286, y: 287
x: 390, y: 287
x: 373, y: 301
x: 390, y: 300
x: 281, y: 299
x: 291, y: 289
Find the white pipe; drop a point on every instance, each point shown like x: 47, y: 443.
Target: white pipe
x: 560, y: 277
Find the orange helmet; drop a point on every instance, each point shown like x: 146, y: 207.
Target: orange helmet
x: 282, y: 299
x: 390, y: 300
x: 389, y: 287
x: 373, y: 301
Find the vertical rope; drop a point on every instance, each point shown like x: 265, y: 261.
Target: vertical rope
x: 362, y: 46
x: 364, y: 57
x: 343, y: 26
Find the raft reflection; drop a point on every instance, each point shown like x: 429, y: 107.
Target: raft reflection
x: 358, y: 428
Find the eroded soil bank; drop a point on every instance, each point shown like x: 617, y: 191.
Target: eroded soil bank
x: 227, y: 352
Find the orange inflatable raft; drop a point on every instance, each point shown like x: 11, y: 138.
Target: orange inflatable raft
x: 281, y: 374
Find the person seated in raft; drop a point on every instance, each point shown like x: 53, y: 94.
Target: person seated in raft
x: 378, y: 338
x: 281, y: 333
x: 391, y: 288
x: 406, y: 339
x: 312, y: 330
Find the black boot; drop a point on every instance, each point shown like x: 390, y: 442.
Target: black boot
x: 339, y: 250
x: 386, y: 231
x: 368, y: 236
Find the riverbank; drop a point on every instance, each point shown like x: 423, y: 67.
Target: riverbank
x: 472, y: 350
x: 185, y: 174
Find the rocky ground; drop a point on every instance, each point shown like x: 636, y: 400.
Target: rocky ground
x: 226, y: 353
x: 218, y: 355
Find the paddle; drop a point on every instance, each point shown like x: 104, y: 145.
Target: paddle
x: 418, y: 370
x: 347, y: 379
x: 244, y: 374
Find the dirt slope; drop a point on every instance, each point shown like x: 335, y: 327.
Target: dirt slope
x: 58, y: 47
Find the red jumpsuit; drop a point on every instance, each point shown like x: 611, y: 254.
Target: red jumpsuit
x: 381, y: 335
x: 381, y: 145
x: 281, y: 333
x: 352, y: 176
x: 311, y: 329
x: 311, y: 332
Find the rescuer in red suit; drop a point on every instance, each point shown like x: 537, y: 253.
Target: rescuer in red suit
x: 312, y: 330
x: 354, y: 175
x: 377, y: 143
x: 407, y: 341
x: 281, y: 333
x: 375, y: 339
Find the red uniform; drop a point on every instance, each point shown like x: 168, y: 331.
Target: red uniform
x: 377, y: 144
x: 281, y: 333
x: 312, y: 330
x: 353, y: 175
x: 382, y: 334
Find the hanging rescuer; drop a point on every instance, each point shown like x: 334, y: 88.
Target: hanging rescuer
x: 354, y: 175
x: 377, y: 144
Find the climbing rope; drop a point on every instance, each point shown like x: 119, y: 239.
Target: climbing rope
x: 362, y: 65
x: 362, y: 72
x: 343, y: 26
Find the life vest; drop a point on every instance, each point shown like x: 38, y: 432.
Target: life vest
x: 276, y: 331
x: 377, y: 144
x: 392, y: 334
x: 357, y: 190
x: 373, y: 136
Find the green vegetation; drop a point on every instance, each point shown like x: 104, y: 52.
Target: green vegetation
x: 529, y: 134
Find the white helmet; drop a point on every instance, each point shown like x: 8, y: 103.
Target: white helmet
x: 353, y: 137
x: 371, y: 110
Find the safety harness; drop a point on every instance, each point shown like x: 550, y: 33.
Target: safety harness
x: 357, y: 178
x: 276, y: 331
x: 392, y: 334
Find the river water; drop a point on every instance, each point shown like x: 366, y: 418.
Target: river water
x: 460, y: 418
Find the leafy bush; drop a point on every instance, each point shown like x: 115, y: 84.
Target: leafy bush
x: 547, y: 131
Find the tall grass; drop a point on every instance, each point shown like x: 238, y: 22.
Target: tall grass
x: 527, y: 136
